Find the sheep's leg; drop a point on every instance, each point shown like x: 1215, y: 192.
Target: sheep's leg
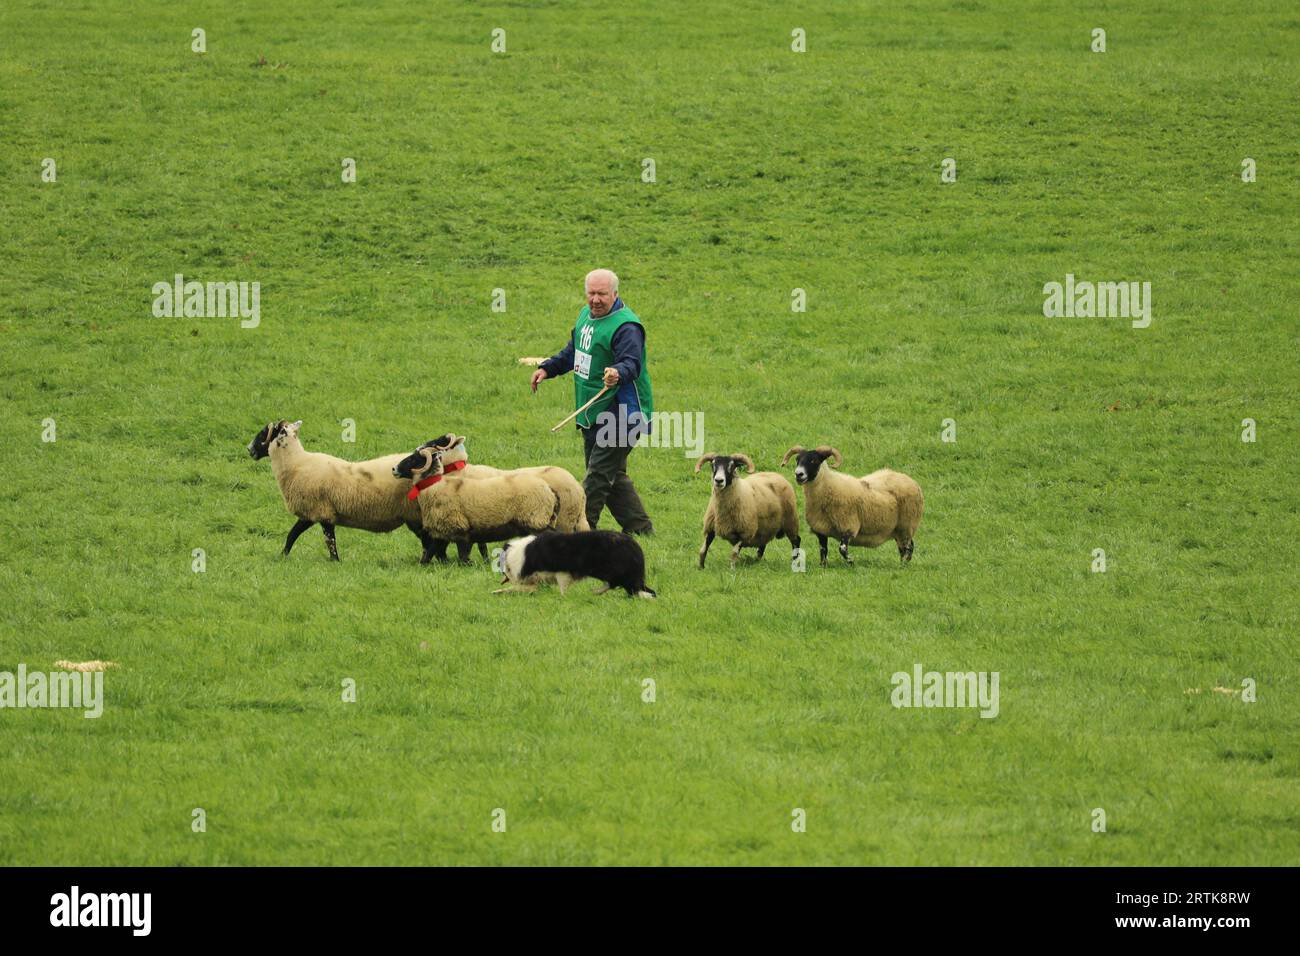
x: 735, y: 553
x: 482, y: 549
x: 708, y: 540
x: 905, y: 551
x: 302, y: 525
x: 427, y: 554
x: 463, y: 551
x: 761, y: 548
x: 328, y: 528
x: 821, y: 541
x: 434, y: 548
x: 844, y: 550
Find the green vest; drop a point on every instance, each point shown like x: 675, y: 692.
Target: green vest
x: 593, y: 353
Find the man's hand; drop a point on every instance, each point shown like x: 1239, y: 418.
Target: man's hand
x: 537, y: 377
x: 611, y: 377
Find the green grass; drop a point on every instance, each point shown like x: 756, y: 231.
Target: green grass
x: 774, y: 170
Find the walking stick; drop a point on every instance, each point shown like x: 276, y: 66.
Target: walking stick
x: 579, y: 411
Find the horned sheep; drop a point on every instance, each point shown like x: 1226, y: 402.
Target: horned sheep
x: 748, y: 512
x: 865, y: 511
x: 468, y: 510
x: 573, y: 499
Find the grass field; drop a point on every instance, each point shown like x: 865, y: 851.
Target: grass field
x: 774, y: 170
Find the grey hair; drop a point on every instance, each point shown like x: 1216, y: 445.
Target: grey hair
x: 601, y: 272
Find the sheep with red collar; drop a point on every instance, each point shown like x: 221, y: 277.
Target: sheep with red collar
x: 573, y: 499
x: 865, y: 511
x: 474, y: 510
x: 321, y: 489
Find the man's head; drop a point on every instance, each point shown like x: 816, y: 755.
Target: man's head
x: 602, y: 290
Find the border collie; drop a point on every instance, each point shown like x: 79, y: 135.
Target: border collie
x: 611, y: 556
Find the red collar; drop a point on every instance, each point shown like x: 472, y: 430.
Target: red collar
x: 423, y: 483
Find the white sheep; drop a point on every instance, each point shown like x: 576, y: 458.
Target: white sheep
x: 573, y: 499
x: 748, y: 512
x: 321, y: 489
x: 468, y: 510
x: 865, y: 511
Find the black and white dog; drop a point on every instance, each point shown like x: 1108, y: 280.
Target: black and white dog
x: 611, y: 556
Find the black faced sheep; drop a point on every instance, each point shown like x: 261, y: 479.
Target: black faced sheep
x: 864, y: 511
x: 573, y: 500
x: 747, y: 512
x: 321, y: 489
x: 467, y: 510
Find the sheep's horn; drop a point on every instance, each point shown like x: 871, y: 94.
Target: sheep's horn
x: 427, y: 467
x: 796, y: 450
x: 745, y: 460
x: 825, y: 450
x: 707, y: 456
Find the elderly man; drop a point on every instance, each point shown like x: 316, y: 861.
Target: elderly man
x: 607, y: 347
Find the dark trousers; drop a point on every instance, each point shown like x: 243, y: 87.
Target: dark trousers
x: 608, y: 483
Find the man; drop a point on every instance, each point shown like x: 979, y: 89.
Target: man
x: 607, y: 347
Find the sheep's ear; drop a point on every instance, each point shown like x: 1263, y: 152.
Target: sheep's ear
x: 826, y: 451
x: 795, y: 450
x: 708, y: 456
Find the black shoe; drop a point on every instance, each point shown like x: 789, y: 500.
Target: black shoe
x: 647, y: 531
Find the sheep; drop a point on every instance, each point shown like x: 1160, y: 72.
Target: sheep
x: 573, y: 499
x: 467, y: 510
x: 748, y: 512
x: 865, y: 511
x: 321, y: 489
